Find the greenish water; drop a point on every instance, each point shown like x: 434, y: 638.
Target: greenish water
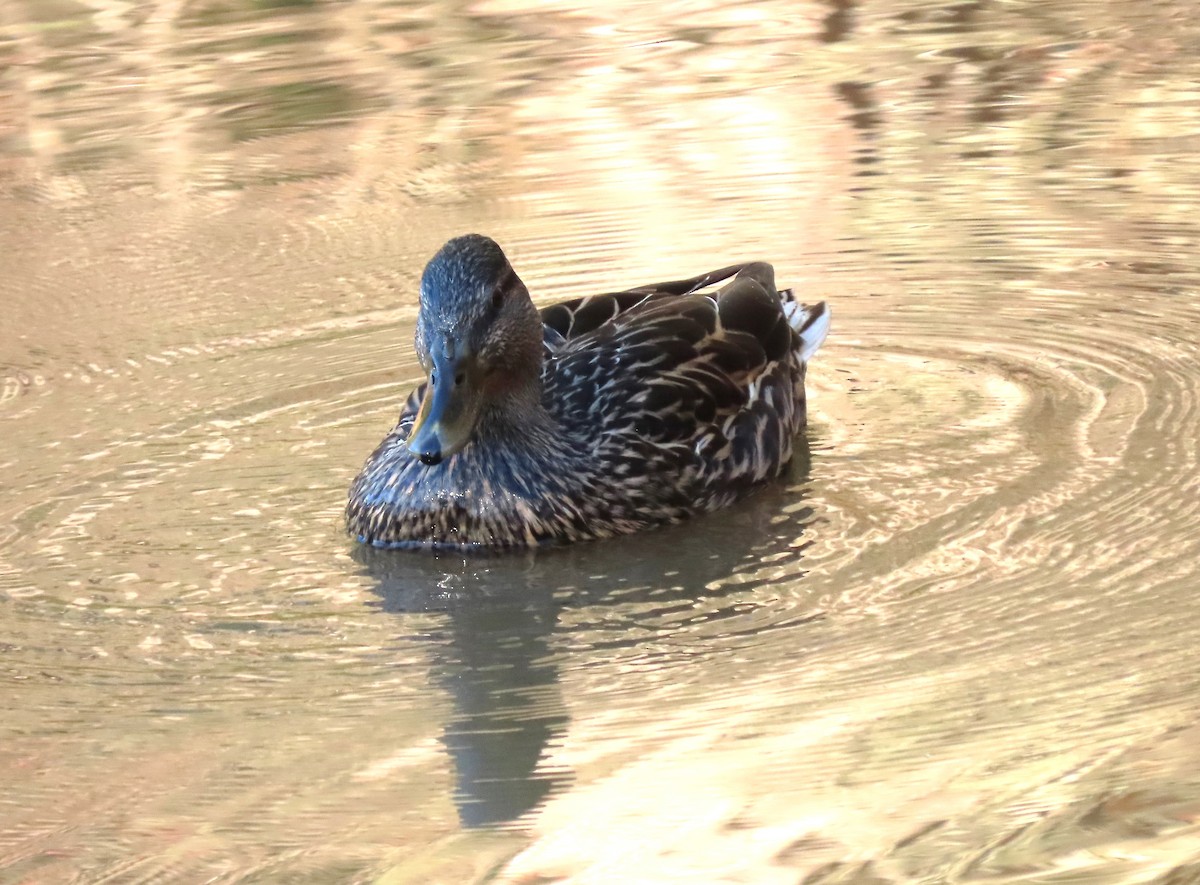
x: 958, y: 644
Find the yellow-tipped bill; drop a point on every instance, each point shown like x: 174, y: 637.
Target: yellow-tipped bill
x: 448, y: 410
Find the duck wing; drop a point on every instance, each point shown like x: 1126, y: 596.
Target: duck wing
x: 578, y: 317
x: 719, y: 373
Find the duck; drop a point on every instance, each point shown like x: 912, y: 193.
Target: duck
x: 586, y: 419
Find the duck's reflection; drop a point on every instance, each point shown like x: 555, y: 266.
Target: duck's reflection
x: 508, y: 706
x: 494, y: 655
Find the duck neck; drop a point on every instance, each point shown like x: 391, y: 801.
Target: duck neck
x: 517, y: 418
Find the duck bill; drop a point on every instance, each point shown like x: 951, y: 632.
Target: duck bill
x: 448, y: 411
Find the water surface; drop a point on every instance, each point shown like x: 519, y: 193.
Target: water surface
x: 957, y: 643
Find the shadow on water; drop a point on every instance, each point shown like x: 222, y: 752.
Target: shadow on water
x: 496, y: 656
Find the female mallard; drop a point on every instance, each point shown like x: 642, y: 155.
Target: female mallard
x: 597, y: 417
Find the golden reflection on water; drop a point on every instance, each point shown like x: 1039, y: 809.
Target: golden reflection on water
x: 957, y: 644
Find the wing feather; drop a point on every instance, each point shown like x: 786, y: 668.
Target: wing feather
x: 720, y: 371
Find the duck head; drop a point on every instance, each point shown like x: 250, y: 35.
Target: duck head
x: 479, y: 340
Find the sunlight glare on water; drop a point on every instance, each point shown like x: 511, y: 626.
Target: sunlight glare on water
x: 957, y: 642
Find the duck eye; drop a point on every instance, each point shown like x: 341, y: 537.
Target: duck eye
x: 497, y: 299
x: 460, y: 378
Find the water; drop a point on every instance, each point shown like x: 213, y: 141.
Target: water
x: 958, y: 643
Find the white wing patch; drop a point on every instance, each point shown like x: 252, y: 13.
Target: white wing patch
x: 811, y: 322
